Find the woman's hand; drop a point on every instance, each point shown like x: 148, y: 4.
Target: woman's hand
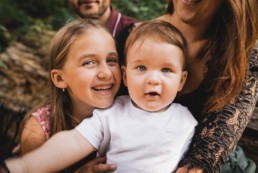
x: 97, y: 165
x: 186, y: 170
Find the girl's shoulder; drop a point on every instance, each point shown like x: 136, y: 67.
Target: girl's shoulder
x: 36, y: 129
x: 42, y: 115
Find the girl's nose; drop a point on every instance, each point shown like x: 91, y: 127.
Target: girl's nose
x: 104, y: 72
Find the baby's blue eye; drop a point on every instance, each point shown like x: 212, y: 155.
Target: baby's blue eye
x: 141, y: 68
x: 165, y: 70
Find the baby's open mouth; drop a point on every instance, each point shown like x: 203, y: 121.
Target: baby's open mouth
x: 153, y: 94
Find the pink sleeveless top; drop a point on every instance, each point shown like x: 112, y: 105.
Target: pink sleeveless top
x: 42, y: 114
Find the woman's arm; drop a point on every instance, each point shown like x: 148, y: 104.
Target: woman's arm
x: 219, y: 132
x: 59, y: 152
x: 32, y: 135
x: 186, y: 170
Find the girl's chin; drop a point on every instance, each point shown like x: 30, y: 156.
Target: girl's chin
x: 104, y: 105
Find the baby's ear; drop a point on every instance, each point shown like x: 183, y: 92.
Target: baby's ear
x: 182, y: 81
x: 124, y: 74
x: 57, y: 78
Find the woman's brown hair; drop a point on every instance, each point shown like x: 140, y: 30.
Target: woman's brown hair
x: 231, y: 38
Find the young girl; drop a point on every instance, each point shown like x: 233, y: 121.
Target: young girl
x: 84, y: 74
x: 145, y: 132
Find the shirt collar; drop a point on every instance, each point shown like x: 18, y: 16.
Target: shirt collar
x: 112, y: 21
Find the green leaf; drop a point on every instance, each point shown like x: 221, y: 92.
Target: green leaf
x: 2, y: 65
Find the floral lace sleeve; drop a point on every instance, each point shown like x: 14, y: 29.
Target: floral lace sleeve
x: 43, y: 116
x: 218, y: 133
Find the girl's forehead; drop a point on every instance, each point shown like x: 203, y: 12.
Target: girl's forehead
x: 95, y: 30
x: 94, y: 35
x: 94, y: 42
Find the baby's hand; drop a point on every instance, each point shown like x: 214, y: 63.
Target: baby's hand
x: 96, y: 165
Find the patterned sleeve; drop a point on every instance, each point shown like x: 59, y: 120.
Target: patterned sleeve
x: 42, y: 114
x: 219, y: 132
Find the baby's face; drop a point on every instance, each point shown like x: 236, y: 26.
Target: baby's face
x: 154, y: 74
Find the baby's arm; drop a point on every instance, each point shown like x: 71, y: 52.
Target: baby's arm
x: 59, y: 152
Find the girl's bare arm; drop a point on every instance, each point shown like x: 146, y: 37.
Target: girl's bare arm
x: 59, y: 152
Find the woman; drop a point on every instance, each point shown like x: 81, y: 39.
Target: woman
x: 221, y: 90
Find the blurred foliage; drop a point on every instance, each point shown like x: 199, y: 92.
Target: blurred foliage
x: 18, y: 18
x: 5, y: 37
x: 141, y: 9
x: 2, y: 65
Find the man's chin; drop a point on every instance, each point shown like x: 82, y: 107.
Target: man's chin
x: 82, y: 14
x: 92, y: 16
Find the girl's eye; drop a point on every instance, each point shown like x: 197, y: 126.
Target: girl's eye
x: 112, y: 61
x: 88, y: 63
x: 141, y: 68
x: 166, y: 70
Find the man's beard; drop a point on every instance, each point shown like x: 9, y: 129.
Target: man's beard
x: 88, y: 15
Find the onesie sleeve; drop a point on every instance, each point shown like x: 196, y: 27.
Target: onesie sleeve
x: 218, y: 133
x: 92, y: 129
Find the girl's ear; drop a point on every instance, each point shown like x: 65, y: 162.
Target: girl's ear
x: 56, y: 77
x: 183, y: 79
x: 124, y: 75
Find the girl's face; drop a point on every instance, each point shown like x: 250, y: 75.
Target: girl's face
x: 196, y: 11
x: 91, y: 71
